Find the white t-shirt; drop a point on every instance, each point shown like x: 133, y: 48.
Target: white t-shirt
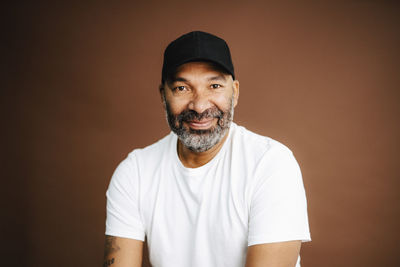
x: 250, y: 193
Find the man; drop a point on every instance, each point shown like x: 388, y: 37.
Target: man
x: 211, y: 193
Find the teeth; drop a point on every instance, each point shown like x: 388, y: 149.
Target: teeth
x: 200, y: 123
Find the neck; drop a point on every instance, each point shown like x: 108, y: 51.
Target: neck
x: 191, y: 159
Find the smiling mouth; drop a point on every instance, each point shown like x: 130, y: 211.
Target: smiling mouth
x: 200, y: 125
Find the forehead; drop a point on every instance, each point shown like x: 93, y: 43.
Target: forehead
x: 197, y: 68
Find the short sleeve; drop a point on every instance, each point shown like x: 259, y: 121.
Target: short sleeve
x: 278, y: 209
x: 123, y: 212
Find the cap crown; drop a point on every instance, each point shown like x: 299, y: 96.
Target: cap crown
x: 196, y: 46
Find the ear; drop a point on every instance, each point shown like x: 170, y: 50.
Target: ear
x: 235, y: 92
x: 162, y: 92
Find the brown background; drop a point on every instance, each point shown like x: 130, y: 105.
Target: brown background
x: 81, y: 92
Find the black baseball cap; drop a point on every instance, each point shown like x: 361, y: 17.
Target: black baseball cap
x: 196, y: 46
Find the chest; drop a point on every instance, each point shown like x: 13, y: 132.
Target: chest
x: 203, y: 217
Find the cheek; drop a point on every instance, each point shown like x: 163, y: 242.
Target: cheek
x: 176, y: 106
x: 223, y: 101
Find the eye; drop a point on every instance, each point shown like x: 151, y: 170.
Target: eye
x: 180, y: 88
x: 215, y: 86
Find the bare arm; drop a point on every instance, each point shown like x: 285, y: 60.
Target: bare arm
x: 122, y: 252
x: 281, y: 254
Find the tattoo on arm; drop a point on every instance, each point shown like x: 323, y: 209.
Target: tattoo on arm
x: 108, y: 262
x: 109, y: 248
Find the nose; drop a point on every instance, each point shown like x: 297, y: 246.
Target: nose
x: 199, y: 102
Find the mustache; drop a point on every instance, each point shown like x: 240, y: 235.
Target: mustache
x: 190, y: 115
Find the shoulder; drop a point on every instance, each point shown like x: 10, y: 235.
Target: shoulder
x: 257, y: 146
x: 143, y: 158
x: 273, y: 161
x: 154, y: 151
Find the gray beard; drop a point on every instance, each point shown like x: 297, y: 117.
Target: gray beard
x: 200, y: 140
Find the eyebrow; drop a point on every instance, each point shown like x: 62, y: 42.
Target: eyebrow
x: 217, y: 78
x: 213, y: 78
x: 179, y: 79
